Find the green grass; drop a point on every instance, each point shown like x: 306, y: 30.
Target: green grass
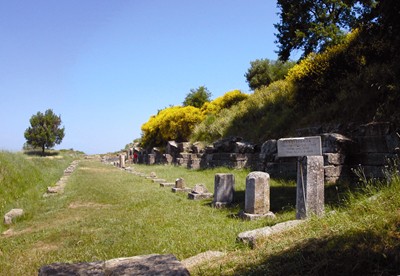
x: 23, y: 179
x: 108, y: 213
x: 361, y: 237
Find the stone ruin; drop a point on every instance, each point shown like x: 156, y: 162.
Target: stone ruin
x: 344, y: 147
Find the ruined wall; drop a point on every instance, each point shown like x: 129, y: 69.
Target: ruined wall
x: 344, y: 148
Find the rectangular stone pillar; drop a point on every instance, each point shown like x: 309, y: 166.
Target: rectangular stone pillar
x: 224, y: 188
x: 310, y: 186
x: 257, y: 197
x: 122, y: 160
x: 257, y: 193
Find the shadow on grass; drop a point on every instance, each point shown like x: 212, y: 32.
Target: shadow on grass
x: 353, y: 253
x: 40, y: 153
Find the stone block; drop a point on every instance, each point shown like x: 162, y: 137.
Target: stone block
x: 375, y: 129
x: 181, y: 190
x: 139, y: 265
x: 224, y: 188
x: 310, y: 187
x: 269, y: 150
x: 251, y: 237
x: 335, y: 143
x: 195, y: 196
x: 371, y: 159
x: 158, y: 180
x: 180, y: 183
x: 334, y: 158
x: 167, y: 184
x: 257, y: 197
x: 10, y: 215
x: 333, y: 171
x: 372, y: 144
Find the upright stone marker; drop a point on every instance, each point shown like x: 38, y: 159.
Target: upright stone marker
x: 310, y: 173
x: 257, y: 198
x: 122, y: 160
x: 224, y: 188
x: 180, y: 186
x: 310, y: 192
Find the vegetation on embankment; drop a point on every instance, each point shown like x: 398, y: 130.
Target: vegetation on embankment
x: 356, y: 81
x: 25, y: 177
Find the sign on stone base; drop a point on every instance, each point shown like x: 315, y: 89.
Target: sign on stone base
x: 299, y: 146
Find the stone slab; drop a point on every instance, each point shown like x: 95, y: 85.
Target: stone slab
x: 167, y: 184
x: 201, y: 258
x: 247, y: 216
x: 299, y: 146
x: 158, y: 180
x: 181, y: 190
x: 195, y: 196
x: 13, y: 213
x: 251, y: 237
x: 139, y: 265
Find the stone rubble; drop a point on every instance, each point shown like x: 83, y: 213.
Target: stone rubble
x: 60, y: 185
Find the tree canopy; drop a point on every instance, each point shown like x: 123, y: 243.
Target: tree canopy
x: 45, y: 131
x: 264, y: 71
x: 197, y: 97
x: 313, y: 25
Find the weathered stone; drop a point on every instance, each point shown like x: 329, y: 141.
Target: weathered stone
x: 334, y: 158
x: 195, y: 196
x: 372, y: 144
x: 180, y: 183
x: 201, y: 258
x: 375, y: 129
x: 13, y: 213
x: 269, y: 150
x: 180, y: 186
x: 372, y: 159
x: 248, y: 216
x: 251, y: 237
x: 198, y: 147
x: 227, y: 144
x: 257, y: 198
x: 299, y: 146
x: 199, y: 189
x: 167, y: 184
x: 224, y: 188
x: 153, y: 175
x: 122, y: 160
x: 333, y: 171
x: 158, y: 180
x: 310, y: 187
x: 199, y: 192
x: 139, y: 265
x: 335, y: 143
x: 244, y: 147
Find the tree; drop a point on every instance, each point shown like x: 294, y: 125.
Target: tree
x: 313, y: 25
x: 264, y: 71
x: 197, y: 97
x: 44, y: 131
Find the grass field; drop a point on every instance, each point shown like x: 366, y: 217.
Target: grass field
x: 108, y: 213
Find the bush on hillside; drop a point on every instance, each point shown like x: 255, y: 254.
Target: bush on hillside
x: 173, y: 123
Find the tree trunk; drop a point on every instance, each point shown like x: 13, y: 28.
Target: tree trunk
x: 43, y: 150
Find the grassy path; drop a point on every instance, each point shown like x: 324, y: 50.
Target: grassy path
x: 108, y: 213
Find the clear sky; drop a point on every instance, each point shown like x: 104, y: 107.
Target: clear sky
x: 107, y: 66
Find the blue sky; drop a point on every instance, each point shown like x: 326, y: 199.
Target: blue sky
x: 107, y: 66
